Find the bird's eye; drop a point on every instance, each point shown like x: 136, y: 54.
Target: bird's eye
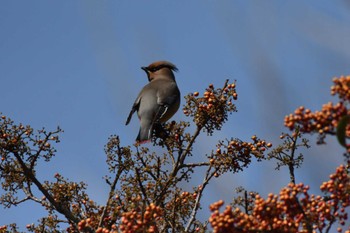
x: 153, y: 69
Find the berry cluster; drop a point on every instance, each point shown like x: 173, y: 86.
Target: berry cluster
x: 182, y: 201
x: 337, y: 190
x: 138, y: 221
x: 132, y: 221
x: 222, y: 222
x: 172, y: 134
x: 88, y: 224
x: 293, y: 210
x: 326, y: 120
x: 322, y: 122
x: 211, y: 110
x: 234, y: 155
x: 8, y: 228
x: 341, y: 87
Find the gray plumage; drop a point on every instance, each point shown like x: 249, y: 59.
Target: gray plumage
x: 158, y: 101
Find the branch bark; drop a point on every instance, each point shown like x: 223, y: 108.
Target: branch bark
x: 29, y: 173
x: 206, y: 180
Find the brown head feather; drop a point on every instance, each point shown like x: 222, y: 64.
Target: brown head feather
x: 159, y: 65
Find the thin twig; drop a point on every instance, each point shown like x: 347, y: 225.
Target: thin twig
x: 188, y: 148
x: 141, y: 185
x: 113, y: 186
x: 110, y: 196
x: 246, y: 203
x: 29, y: 173
x: 177, y: 166
x: 291, y: 162
x: 307, y: 221
x: 192, y: 165
x: 144, y: 164
x: 206, y: 180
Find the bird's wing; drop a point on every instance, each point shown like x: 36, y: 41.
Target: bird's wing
x: 135, y: 107
x: 166, y: 98
x: 169, y: 94
x: 162, y: 109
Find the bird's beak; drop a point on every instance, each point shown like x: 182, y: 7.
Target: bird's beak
x: 144, y: 68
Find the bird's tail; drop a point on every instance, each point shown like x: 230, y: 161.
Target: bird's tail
x: 145, y: 135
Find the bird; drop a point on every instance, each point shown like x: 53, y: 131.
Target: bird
x: 158, y: 100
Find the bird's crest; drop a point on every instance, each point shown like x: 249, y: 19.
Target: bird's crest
x: 159, y: 65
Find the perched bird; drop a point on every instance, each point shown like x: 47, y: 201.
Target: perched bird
x: 158, y: 101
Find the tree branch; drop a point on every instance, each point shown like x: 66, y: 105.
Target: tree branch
x: 177, y: 166
x: 29, y: 173
x: 112, y: 186
x: 206, y: 180
x: 291, y: 162
x: 141, y: 186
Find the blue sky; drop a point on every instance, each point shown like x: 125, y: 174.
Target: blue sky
x: 76, y: 64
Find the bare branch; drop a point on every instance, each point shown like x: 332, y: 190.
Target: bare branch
x: 192, y: 165
x: 291, y: 162
x: 139, y: 181
x: 176, y: 167
x: 113, y: 185
x: 206, y: 180
x: 29, y: 173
